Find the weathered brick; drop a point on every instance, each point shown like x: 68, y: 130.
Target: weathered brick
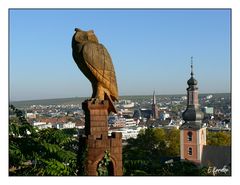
x: 96, y: 115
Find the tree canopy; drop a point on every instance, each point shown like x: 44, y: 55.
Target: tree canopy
x: 40, y: 152
x: 219, y: 138
x: 144, y: 155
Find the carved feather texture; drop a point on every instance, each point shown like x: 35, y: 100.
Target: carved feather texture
x: 95, y: 63
x: 99, y: 62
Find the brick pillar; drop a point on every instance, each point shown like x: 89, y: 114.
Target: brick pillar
x: 97, y: 140
x: 96, y: 117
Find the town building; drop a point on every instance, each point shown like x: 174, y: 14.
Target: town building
x: 208, y: 110
x: 164, y: 115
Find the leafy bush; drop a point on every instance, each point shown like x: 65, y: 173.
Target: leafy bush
x: 40, y: 152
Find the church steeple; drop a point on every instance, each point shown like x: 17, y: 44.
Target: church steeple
x: 154, y: 98
x: 154, y: 107
x: 192, y: 134
x: 192, y: 81
x: 192, y: 115
x: 191, y: 66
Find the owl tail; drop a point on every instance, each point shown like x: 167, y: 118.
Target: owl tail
x: 111, y: 104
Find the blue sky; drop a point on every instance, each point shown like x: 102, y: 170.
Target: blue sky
x: 150, y: 50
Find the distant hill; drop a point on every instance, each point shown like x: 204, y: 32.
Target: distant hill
x: 59, y: 101
x: 79, y: 100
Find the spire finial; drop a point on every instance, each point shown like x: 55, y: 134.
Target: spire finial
x: 191, y: 65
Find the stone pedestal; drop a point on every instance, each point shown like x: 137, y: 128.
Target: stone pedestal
x: 97, y: 141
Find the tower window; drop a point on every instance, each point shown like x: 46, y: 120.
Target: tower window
x: 190, y: 151
x: 189, y: 136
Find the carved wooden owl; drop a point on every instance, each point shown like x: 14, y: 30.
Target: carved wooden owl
x: 95, y: 63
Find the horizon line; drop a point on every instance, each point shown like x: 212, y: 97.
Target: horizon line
x: 178, y: 94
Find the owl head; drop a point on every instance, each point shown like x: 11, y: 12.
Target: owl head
x: 84, y: 36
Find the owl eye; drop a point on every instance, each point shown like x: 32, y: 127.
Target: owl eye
x: 82, y: 36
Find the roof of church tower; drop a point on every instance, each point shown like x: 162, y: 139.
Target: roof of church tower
x: 192, y: 80
x: 192, y: 115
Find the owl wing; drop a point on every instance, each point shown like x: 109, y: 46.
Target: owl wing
x: 100, y: 64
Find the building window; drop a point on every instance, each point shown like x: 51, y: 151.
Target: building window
x: 190, y: 151
x: 189, y: 136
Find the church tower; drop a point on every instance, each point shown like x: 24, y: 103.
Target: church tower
x: 154, y: 107
x: 192, y: 134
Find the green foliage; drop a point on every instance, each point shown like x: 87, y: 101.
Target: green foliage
x: 134, y: 167
x: 177, y: 168
x: 40, y: 152
x: 219, y: 138
x: 143, y: 156
x: 153, y: 144
x: 103, y: 165
x: 173, y: 140
x: 82, y: 156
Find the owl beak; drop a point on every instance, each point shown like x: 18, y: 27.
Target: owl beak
x: 77, y: 29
